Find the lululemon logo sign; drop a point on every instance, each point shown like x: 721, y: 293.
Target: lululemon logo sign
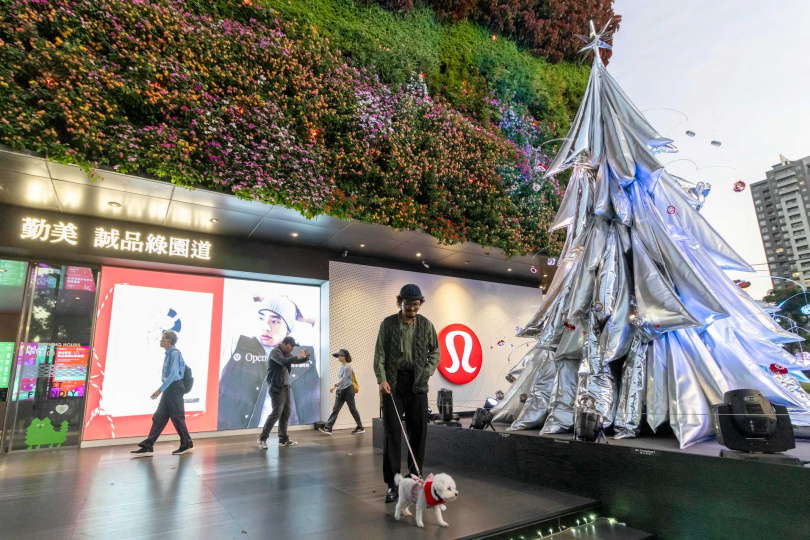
x: 460, y: 354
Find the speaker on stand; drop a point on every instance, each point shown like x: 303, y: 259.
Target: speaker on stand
x: 444, y: 404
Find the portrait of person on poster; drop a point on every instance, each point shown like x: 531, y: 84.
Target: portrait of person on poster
x: 256, y: 318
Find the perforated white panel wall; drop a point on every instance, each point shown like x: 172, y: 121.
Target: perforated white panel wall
x: 360, y: 297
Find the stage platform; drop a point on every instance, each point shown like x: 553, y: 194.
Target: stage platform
x: 647, y: 482
x: 327, y: 487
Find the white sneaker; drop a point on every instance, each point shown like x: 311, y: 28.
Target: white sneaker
x: 262, y: 444
x: 325, y: 431
x: 287, y: 443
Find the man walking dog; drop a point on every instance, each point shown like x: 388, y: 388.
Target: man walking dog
x: 405, y: 357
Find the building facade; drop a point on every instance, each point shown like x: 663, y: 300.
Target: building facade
x: 782, y: 204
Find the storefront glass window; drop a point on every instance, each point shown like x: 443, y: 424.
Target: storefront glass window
x: 48, y: 391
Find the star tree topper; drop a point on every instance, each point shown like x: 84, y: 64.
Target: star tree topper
x: 595, y: 41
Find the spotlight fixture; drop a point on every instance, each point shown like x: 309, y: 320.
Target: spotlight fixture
x: 345, y: 253
x: 114, y: 204
x: 362, y: 245
x: 77, y: 297
x: 294, y: 234
x: 466, y: 262
x: 425, y: 264
x: 749, y: 423
x: 418, y: 254
x: 508, y: 269
x: 214, y: 220
x: 690, y: 133
x: 716, y: 143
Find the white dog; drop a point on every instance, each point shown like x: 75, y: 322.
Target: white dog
x: 432, y: 492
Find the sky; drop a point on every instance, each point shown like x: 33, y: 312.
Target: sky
x: 740, y: 71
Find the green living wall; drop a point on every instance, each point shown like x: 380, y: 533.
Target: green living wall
x: 325, y: 106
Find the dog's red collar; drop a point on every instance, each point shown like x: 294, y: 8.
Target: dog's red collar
x: 431, y: 499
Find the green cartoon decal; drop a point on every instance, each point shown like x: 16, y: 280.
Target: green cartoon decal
x: 41, y: 432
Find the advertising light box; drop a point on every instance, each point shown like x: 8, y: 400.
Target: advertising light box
x: 226, y: 329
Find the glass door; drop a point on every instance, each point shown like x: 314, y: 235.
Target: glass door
x: 45, y: 405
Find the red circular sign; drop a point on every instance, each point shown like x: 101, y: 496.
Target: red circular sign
x: 461, y: 354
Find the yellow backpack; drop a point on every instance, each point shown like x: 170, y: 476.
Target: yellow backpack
x: 354, y: 383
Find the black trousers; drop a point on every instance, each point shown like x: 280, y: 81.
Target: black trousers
x: 414, y: 410
x: 280, y: 414
x: 344, y: 396
x: 172, y: 407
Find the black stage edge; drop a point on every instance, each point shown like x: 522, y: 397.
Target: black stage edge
x: 672, y: 493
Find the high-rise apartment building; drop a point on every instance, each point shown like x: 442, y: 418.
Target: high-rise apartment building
x: 782, y: 203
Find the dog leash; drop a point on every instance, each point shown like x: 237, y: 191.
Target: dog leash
x: 407, y: 441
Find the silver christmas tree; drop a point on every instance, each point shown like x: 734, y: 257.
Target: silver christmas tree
x: 640, y: 317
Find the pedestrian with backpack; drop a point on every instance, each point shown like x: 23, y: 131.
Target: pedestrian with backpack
x: 171, y: 406
x: 344, y: 389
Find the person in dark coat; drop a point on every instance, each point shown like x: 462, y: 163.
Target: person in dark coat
x: 405, y: 357
x: 278, y: 377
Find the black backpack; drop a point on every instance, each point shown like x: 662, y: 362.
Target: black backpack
x: 188, y: 379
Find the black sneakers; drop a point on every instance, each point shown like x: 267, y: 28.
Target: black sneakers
x: 358, y: 431
x: 391, y: 495
x: 142, y: 452
x: 184, y: 448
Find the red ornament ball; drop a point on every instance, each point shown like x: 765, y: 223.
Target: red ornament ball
x: 739, y: 186
x: 780, y: 370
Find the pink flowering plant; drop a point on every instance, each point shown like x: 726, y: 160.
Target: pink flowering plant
x: 265, y: 109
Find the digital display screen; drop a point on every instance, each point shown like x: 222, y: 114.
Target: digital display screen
x: 70, y: 371
x: 256, y: 317
x: 79, y: 279
x: 34, y: 354
x: 225, y: 328
x: 13, y: 273
x: 6, y: 357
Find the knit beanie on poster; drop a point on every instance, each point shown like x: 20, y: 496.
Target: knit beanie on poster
x: 281, y: 306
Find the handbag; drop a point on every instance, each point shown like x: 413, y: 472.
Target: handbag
x: 354, y: 383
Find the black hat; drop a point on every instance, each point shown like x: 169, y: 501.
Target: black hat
x: 341, y: 352
x: 411, y: 292
x: 289, y: 340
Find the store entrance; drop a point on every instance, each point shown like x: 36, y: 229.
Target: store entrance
x: 46, y: 316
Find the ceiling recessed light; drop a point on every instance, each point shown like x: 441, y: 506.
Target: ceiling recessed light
x: 362, y: 245
x: 294, y: 234
x: 418, y: 254
x: 508, y: 269
x: 114, y: 204
x: 77, y: 297
x: 214, y: 220
x: 466, y: 262
x: 545, y: 275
